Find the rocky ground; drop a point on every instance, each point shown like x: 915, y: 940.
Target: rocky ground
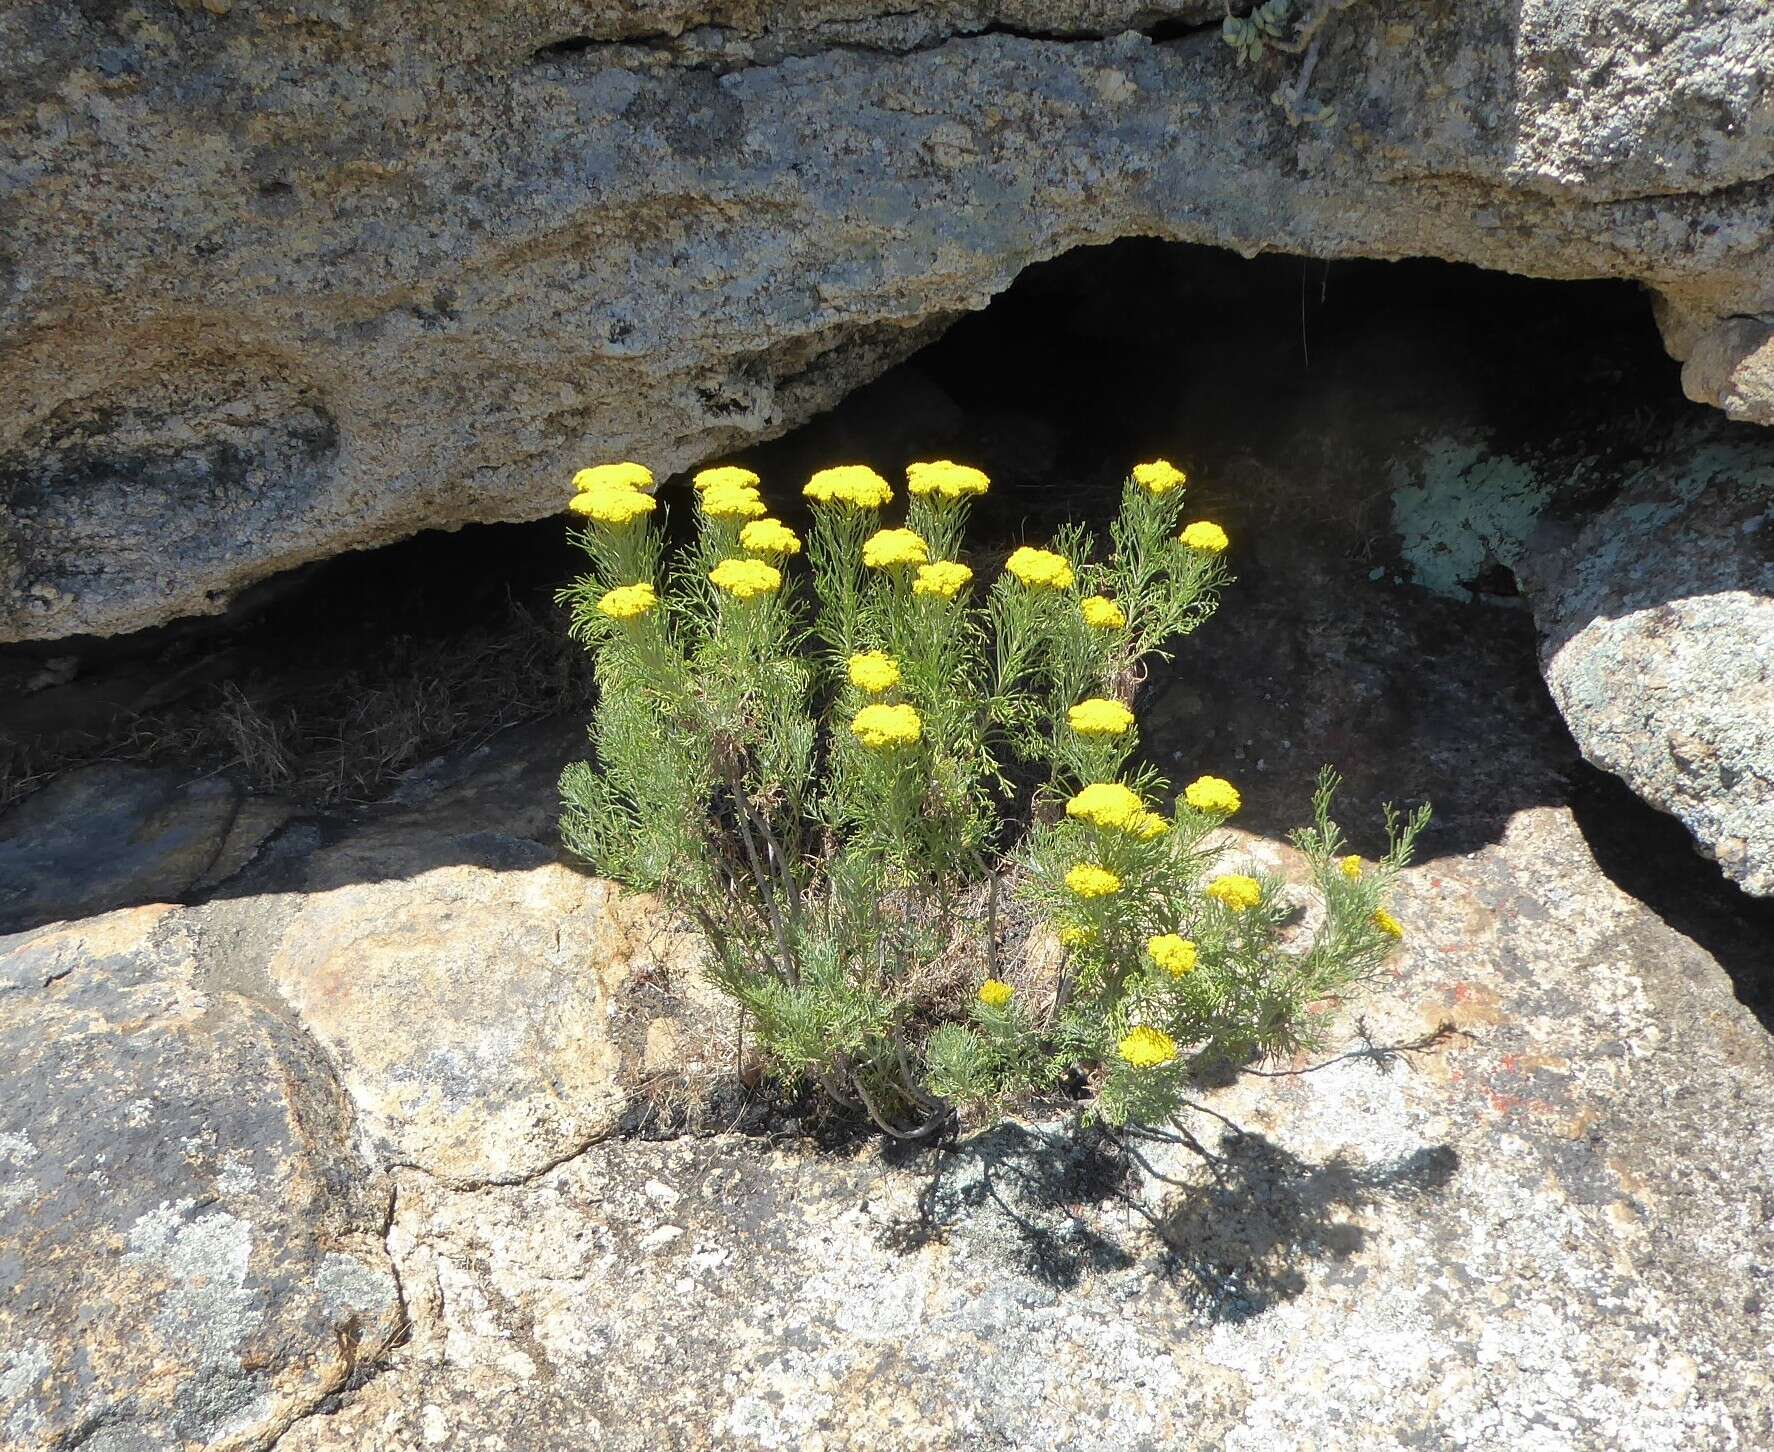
x: 338, y: 1111
x: 408, y: 1135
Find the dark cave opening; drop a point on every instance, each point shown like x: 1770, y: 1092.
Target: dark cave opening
x: 1297, y: 393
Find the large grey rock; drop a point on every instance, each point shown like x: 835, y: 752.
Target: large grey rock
x: 477, y: 1005
x: 1543, y: 1227
x: 114, y: 835
x: 196, y: 1105
x: 190, y: 1251
x: 1657, y: 638
x: 261, y: 263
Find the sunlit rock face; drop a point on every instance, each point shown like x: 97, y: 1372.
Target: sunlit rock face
x: 282, y: 282
x: 1657, y: 640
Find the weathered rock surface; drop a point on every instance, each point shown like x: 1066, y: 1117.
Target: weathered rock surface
x: 114, y: 835
x: 1657, y: 627
x: 472, y: 1007
x: 1543, y: 1227
x: 261, y: 264
x: 1733, y: 366
x: 193, y: 1254
x: 195, y: 1105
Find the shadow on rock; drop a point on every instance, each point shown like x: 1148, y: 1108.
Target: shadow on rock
x: 1242, y: 1238
x: 1650, y: 856
x: 1054, y: 1205
x: 1030, y: 1193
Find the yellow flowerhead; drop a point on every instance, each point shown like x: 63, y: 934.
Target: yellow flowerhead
x: 1388, y: 924
x: 733, y: 501
x: 1176, y: 956
x: 1072, y: 935
x: 1351, y: 867
x: 888, y: 548
x: 1097, y: 717
x: 1109, y: 805
x: 612, y: 504
x: 1159, y: 477
x: 1210, y: 539
x: 1086, y: 880
x: 725, y: 476
x: 769, y: 537
x: 944, y: 579
x: 874, y: 671
x: 1148, y: 827
x: 880, y: 727
x: 945, y: 479
x: 626, y: 602
x: 1214, y: 795
x: 995, y: 993
x: 614, y: 476
x: 1040, y: 568
x: 1236, y: 891
x: 854, y: 484
x: 1147, y: 1048
x: 1102, y: 613
x: 746, y: 579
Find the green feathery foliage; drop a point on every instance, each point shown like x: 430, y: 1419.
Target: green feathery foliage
x: 853, y: 768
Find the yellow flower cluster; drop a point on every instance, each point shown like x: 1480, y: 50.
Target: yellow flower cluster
x: 1040, y: 568
x: 1098, y: 717
x: 995, y: 993
x: 1214, y: 795
x: 1175, y: 955
x: 1106, y: 804
x: 1147, y: 1047
x: 943, y: 579
x: 605, y: 505
x: 725, y: 476
x: 1351, y: 866
x: 873, y: 671
x: 769, y: 537
x: 854, y: 484
x: 1072, y: 935
x: 1086, y: 880
x: 626, y: 602
x: 1210, y: 539
x: 733, y: 501
x: 945, y: 479
x: 1159, y: 477
x: 879, y: 727
x: 613, y: 476
x: 1236, y: 891
x: 1115, y: 808
x: 746, y: 579
x: 1101, y: 613
x: 887, y: 548
x: 1388, y: 924
x: 611, y: 493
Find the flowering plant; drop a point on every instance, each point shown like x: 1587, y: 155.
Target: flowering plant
x: 835, y: 754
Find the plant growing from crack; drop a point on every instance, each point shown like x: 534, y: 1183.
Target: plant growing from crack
x: 1266, y: 29
x: 837, y: 755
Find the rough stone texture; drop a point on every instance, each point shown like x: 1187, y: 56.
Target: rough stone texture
x: 1657, y: 626
x: 1546, y: 1230
x: 513, y: 967
x: 279, y: 282
x: 191, y: 1253
x: 1733, y: 366
x: 195, y: 1102
x: 111, y: 835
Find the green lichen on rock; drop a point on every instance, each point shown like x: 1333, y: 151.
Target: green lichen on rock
x: 1460, y: 508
